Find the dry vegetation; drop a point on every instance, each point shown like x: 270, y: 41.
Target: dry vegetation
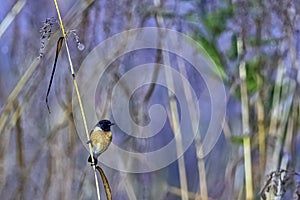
x: 254, y: 45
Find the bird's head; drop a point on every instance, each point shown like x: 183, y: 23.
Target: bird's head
x: 105, y: 124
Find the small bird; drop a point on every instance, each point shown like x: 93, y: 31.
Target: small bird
x: 100, y: 139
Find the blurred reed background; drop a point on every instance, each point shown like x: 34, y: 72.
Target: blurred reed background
x: 255, y: 45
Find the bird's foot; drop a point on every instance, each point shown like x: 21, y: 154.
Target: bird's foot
x: 93, y: 163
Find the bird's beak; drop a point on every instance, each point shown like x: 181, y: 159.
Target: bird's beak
x: 112, y: 124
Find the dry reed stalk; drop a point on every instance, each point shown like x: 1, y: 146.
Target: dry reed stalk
x: 129, y: 189
x: 293, y: 114
x: 78, y: 94
x: 245, y: 123
x: 73, y: 13
x: 270, y: 164
x: 285, y: 107
x: 15, y: 93
x: 176, y: 130
x: 285, y: 87
x: 201, y: 165
x: 20, y: 153
x: 105, y: 183
x: 286, y: 100
x: 287, y: 151
x: 173, y: 111
x: 18, y: 6
x: 261, y: 131
x: 192, y: 195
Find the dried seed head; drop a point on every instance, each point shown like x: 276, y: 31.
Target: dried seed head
x: 80, y: 46
x: 49, y: 25
x: 278, y: 182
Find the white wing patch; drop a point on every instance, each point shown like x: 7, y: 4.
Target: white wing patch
x: 97, y: 128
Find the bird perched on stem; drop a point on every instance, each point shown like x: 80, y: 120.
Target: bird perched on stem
x: 100, y: 139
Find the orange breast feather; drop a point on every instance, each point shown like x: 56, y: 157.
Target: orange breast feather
x: 100, y: 140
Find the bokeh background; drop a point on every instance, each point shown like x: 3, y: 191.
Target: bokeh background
x: 255, y: 47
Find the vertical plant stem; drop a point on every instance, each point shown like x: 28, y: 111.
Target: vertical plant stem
x: 201, y: 165
x: 7, y: 108
x: 174, y: 114
x: 245, y: 123
x: 285, y: 109
x: 293, y: 114
x: 176, y: 130
x: 20, y: 153
x: 270, y: 163
x: 129, y: 189
x: 78, y: 94
x: 259, y: 102
x: 288, y: 141
x: 261, y: 130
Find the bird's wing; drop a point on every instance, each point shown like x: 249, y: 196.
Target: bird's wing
x: 90, y: 139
